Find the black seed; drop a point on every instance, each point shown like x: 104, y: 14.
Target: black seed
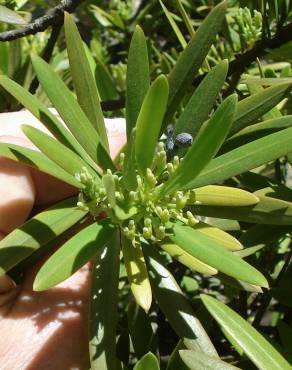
x: 184, y: 140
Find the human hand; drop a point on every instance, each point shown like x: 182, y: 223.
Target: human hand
x: 39, y: 330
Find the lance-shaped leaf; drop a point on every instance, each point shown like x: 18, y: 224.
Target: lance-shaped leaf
x: 149, y: 122
x: 254, y: 345
x: 103, y: 307
x: 214, y: 195
x: 256, y: 131
x: 268, y: 211
x: 140, y: 329
x: 11, y: 17
x: 83, y: 79
x: 255, y: 106
x: 174, y: 304
x: 73, y: 255
x: 202, y: 101
x: 48, y: 119
x: 71, y: 113
x: 174, y: 26
x: 129, y: 166
x: 196, y: 360
x: 191, y: 59
x: 212, y: 253
x: 137, y: 273
x: 38, y: 231
x: 148, y: 361
x: 138, y: 80
x: 106, y: 86
x: 245, y: 158
x: 56, y: 152
x: 204, y: 148
x: 187, y: 259
x: 37, y: 160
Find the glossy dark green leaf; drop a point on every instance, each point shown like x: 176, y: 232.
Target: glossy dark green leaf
x: 147, y: 362
x: 38, y: 231
x: 245, y: 158
x: 48, y: 119
x: 37, y: 160
x: 204, y: 148
x: 103, y: 307
x: 268, y: 211
x: 174, y: 304
x: 140, y: 329
x: 196, y: 360
x: 56, y: 152
x: 175, y: 362
x: 71, y: 113
x: 138, y: 79
x: 191, y: 59
x: 254, y: 345
x: 202, y: 101
x: 73, y: 255
x: 212, y: 253
x: 149, y: 122
x: 83, y: 79
x: 255, y: 106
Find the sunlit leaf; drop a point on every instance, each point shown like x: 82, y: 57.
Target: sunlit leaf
x: 73, y: 255
x: 212, y: 253
x: 204, y: 148
x: 83, y: 79
x: 202, y: 101
x: 37, y: 232
x: 254, y: 345
x: 11, y: 17
x: 147, y: 362
x: 138, y: 79
x: 149, y: 122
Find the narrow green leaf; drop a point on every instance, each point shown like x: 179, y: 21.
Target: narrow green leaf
x: 196, y: 360
x: 37, y: 160
x: 83, y: 79
x: 11, y: 17
x: 214, y: 195
x: 245, y: 158
x: 206, y: 250
x: 190, y: 60
x: 255, y: 106
x: 203, y: 99
x: 138, y: 80
x: 187, y: 259
x: 49, y: 120
x: 140, y: 329
x: 137, y: 273
x: 149, y: 122
x: 204, y: 148
x: 254, y: 345
x: 73, y: 255
x: 106, y: 86
x: 256, y: 131
x: 38, y: 231
x: 56, y: 152
x: 129, y: 166
x: 103, y: 307
x: 174, y: 304
x: 268, y: 211
x: 147, y: 362
x: 71, y: 113
x: 174, y: 26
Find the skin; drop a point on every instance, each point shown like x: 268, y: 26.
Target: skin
x: 39, y: 330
